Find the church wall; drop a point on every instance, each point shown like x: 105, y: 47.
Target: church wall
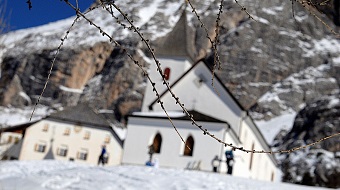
x: 263, y: 166
x: 177, y: 66
x: 141, y: 132
x: 202, y: 97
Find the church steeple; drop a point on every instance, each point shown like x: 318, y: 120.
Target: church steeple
x: 176, y: 53
x: 180, y: 41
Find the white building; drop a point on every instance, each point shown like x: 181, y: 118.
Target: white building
x: 76, y: 134
x: 213, y: 107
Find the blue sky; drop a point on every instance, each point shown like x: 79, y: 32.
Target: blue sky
x: 43, y: 11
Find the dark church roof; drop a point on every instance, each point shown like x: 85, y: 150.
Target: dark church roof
x: 179, y: 42
x: 198, y: 116
x: 81, y: 113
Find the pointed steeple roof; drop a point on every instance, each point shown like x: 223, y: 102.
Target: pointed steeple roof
x: 180, y: 42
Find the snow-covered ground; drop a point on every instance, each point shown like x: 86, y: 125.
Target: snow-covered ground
x: 48, y: 174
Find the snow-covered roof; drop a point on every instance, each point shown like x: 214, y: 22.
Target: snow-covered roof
x: 84, y: 114
x: 159, y: 114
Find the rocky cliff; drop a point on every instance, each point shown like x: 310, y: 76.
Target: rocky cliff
x: 319, y: 164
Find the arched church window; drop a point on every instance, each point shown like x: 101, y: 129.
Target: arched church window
x: 167, y: 73
x: 189, y: 146
x: 157, y: 143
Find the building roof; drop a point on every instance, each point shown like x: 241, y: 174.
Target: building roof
x: 180, y: 42
x: 84, y: 114
x: 81, y: 113
x: 15, y: 128
x: 178, y: 116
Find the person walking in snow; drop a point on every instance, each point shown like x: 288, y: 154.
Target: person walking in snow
x: 215, y: 163
x: 230, y: 161
x: 101, y: 159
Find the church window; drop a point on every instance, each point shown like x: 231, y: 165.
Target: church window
x: 167, y: 73
x: 189, y: 146
x: 157, y: 143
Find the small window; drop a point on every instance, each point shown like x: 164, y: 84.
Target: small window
x: 189, y: 146
x: 16, y: 140
x: 87, y: 135
x: 167, y: 73
x: 272, y: 176
x: 107, y: 139
x: 67, y: 131
x: 45, y: 128
x: 40, y: 147
x: 82, y: 154
x: 62, y: 151
x: 9, y: 139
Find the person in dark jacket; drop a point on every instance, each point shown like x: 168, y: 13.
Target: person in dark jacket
x: 230, y: 161
x: 101, y: 159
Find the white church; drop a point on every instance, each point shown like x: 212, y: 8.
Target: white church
x: 78, y: 133
x: 213, y: 107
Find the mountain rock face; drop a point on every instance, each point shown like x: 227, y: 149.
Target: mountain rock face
x: 319, y: 164
x: 257, y: 55
x: 273, y: 63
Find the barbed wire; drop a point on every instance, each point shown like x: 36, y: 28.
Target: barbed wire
x: 212, y: 42
x: 307, y: 4
x: 52, y: 65
x: 135, y: 29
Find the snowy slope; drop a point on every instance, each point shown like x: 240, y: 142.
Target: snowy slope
x: 272, y: 127
x: 16, y: 116
x: 40, y: 175
x: 284, y: 99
